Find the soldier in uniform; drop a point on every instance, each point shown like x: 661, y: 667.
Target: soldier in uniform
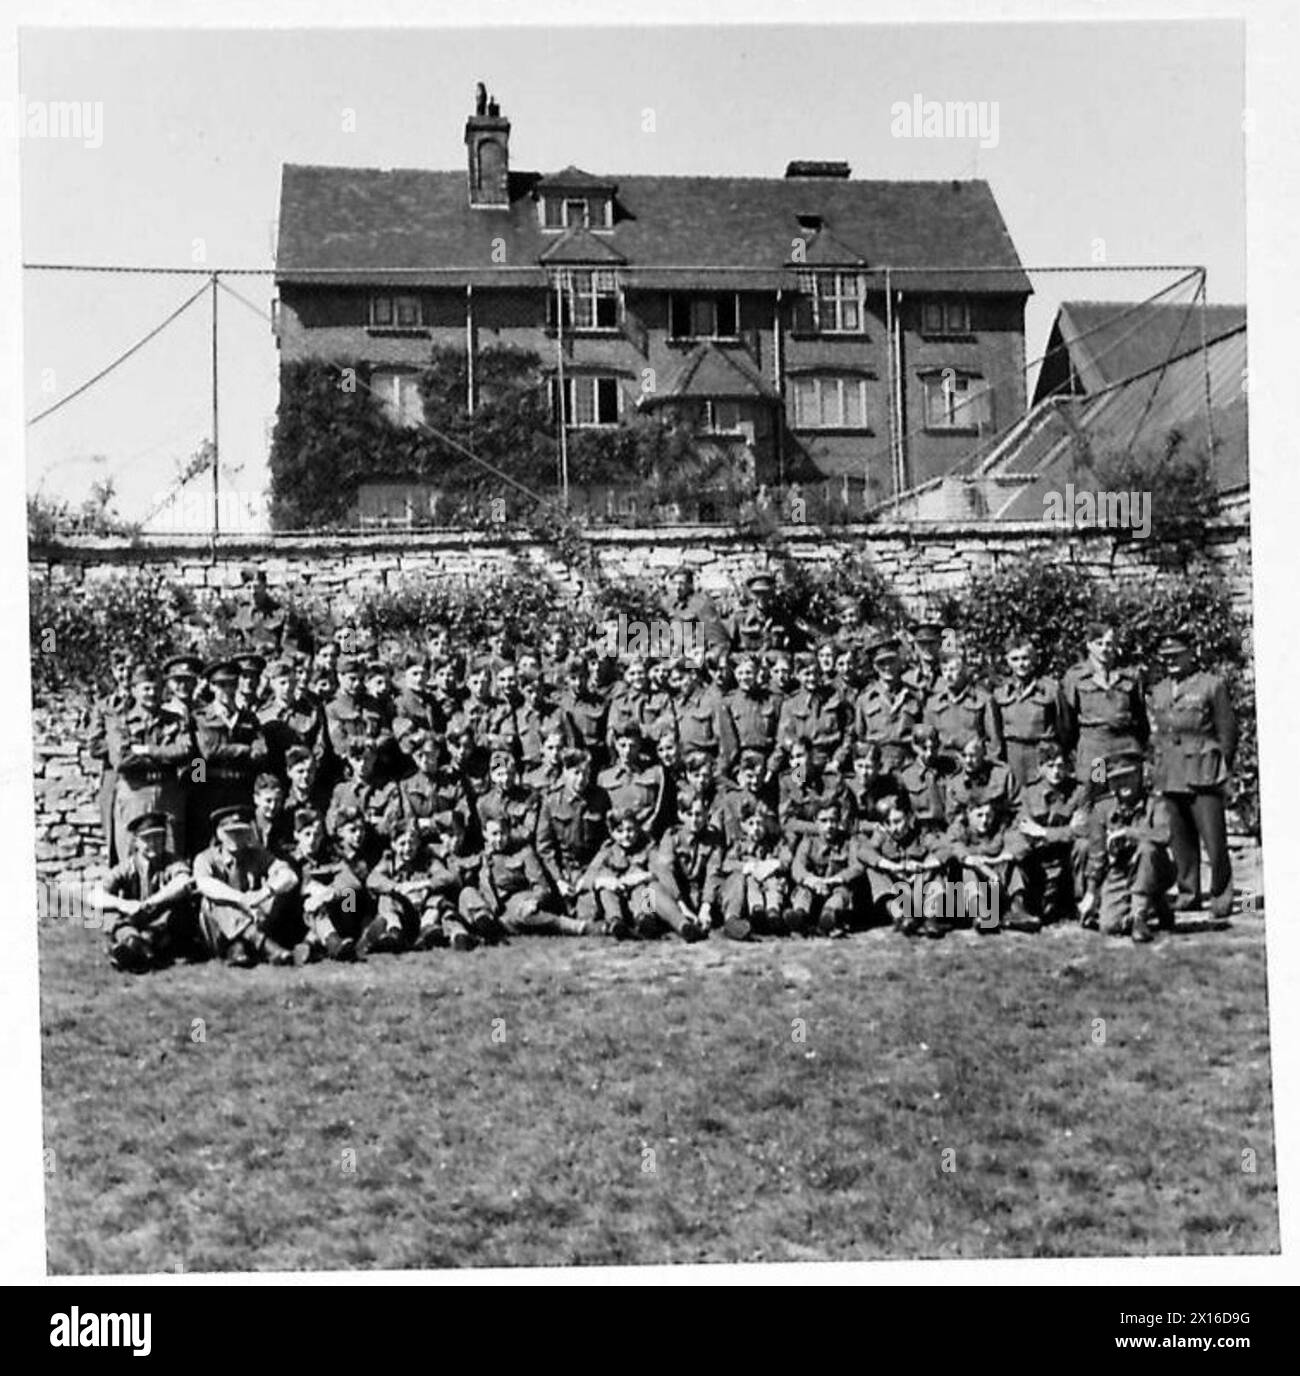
x: 505, y: 889
x: 755, y: 877
x: 925, y: 781
x: 1103, y: 711
x: 687, y: 865
x: 830, y: 881
x: 888, y: 710
x: 988, y: 850
x: 959, y: 707
x: 922, y: 674
x: 758, y: 624
x: 1054, y: 821
x: 147, y: 897
x: 343, y: 710
x: 583, y: 711
x: 903, y: 871
x: 232, y: 748
x: 981, y: 780
x: 1194, y: 739
x: 571, y: 828
x: 435, y: 797
x: 106, y: 707
x: 1129, y: 867
x: 147, y: 750
x: 290, y: 717
x: 414, y: 707
x: 692, y: 616
x: 751, y: 715
x: 632, y: 785
x: 1029, y: 704
x: 245, y: 912
x: 814, y: 714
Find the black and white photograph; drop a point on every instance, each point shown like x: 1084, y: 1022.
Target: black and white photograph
x: 642, y: 647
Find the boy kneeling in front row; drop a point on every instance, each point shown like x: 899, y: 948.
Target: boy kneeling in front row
x: 148, y: 895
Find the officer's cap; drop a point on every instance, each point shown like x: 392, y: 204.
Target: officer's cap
x: 233, y: 818
x: 147, y: 824
x: 223, y: 671
x: 250, y: 664
x: 761, y: 579
x: 1175, y: 642
x: 183, y: 666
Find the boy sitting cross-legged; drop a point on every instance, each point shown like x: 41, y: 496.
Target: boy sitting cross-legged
x: 414, y: 892
x: 987, y: 850
x: 245, y: 914
x: 505, y: 888
x: 830, y: 880
x: 621, y: 879
x: 1054, y: 823
x: 904, y: 871
x: 313, y: 858
x: 687, y: 866
x: 755, y: 876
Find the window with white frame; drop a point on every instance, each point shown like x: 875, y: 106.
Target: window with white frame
x: 946, y: 316
x: 398, y: 393
x: 715, y: 316
x: 589, y: 298
x: 396, y: 313
x: 588, y: 400
x: 839, y: 302
x: 830, y: 403
x: 568, y: 212
x: 957, y: 401
x: 724, y: 417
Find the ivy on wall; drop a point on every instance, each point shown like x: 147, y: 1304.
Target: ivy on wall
x: 332, y: 434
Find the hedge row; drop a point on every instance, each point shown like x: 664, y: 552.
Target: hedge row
x: 75, y: 630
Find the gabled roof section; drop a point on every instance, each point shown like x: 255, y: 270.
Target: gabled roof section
x: 1099, y: 343
x: 574, y: 179
x: 709, y: 371
x: 825, y: 250
x: 348, y: 224
x: 580, y: 245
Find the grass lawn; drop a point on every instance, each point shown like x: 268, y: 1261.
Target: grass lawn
x: 582, y: 1102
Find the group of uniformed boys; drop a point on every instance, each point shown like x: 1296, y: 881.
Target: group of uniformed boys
x: 303, y: 801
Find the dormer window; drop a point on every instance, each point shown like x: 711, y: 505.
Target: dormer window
x: 571, y: 212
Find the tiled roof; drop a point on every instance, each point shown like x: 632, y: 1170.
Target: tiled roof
x: 1108, y: 341
x: 580, y: 245
x: 350, y: 224
x: 575, y: 179
x: 711, y: 371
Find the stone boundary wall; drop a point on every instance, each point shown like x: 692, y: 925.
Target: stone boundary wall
x: 920, y: 561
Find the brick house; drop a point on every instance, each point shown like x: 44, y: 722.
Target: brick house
x: 762, y: 308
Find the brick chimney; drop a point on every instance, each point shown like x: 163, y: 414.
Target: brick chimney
x: 487, y: 145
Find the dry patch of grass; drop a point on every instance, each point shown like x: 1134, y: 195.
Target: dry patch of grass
x: 580, y: 1102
